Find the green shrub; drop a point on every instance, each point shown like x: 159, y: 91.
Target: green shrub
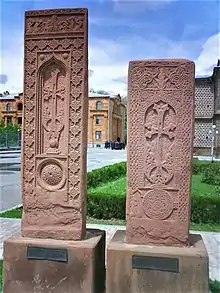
x: 106, y: 206
x: 211, y: 174
x: 205, y: 209
x: 106, y: 174
x: 199, y: 167
x: 214, y: 286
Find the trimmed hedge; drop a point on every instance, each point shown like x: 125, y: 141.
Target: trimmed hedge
x: 106, y: 206
x: 106, y: 174
x: 211, y: 174
x: 113, y: 172
x: 199, y: 167
x: 204, y: 208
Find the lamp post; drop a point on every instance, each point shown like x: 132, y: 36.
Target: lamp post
x: 213, y: 133
x: 19, y: 137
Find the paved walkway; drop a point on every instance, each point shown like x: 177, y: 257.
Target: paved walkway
x: 10, y: 227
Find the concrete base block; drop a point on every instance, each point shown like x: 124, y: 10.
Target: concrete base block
x: 53, y: 266
x: 156, y: 269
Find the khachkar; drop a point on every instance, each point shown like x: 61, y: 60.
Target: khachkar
x: 161, y: 94
x: 157, y: 253
x: 54, y: 163
x: 55, y: 124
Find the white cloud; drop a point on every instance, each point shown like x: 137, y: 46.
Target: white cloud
x: 108, y: 59
x: 137, y: 6
x: 209, y: 55
x: 11, y: 62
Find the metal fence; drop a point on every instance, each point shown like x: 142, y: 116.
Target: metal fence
x: 10, y: 139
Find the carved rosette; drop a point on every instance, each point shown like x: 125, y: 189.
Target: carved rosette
x: 158, y: 204
x: 51, y: 175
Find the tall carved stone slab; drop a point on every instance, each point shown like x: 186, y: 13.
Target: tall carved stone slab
x: 160, y: 143
x: 55, y: 124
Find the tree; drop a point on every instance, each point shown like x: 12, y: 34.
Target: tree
x: 101, y: 92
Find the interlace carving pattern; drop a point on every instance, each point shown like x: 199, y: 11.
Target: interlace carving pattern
x: 160, y: 94
x: 54, y: 24
x: 49, y: 51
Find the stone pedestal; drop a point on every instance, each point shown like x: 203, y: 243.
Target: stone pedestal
x: 135, y: 268
x: 59, y: 266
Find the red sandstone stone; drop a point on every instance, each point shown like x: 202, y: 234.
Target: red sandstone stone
x: 55, y: 124
x: 160, y: 143
x: 83, y: 273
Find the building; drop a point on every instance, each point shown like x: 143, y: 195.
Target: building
x: 105, y: 120
x: 107, y: 115
x: 11, y: 106
x: 207, y: 113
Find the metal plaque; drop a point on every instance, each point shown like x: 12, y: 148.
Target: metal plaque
x: 155, y: 263
x: 46, y: 253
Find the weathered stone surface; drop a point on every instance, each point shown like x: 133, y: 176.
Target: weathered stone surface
x: 193, y: 267
x: 160, y: 143
x: 84, y: 272
x: 55, y: 124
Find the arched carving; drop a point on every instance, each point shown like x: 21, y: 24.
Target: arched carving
x: 52, y: 78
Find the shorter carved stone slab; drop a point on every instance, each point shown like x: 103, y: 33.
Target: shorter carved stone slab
x: 160, y: 143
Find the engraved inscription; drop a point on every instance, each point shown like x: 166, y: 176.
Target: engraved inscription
x: 46, y: 253
x: 164, y: 264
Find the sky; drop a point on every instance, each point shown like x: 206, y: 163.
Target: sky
x: 120, y: 31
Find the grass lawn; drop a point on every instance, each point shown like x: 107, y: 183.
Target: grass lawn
x: 119, y: 187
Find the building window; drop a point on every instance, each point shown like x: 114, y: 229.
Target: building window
x: 98, y: 135
x: 8, y: 107
x: 19, y: 120
x: 9, y: 120
x: 20, y: 107
x: 98, y: 119
x: 98, y: 106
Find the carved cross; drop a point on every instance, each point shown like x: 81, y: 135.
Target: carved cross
x: 159, y: 130
x: 54, y: 124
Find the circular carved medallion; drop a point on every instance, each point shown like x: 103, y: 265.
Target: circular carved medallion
x: 50, y: 174
x: 157, y: 204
